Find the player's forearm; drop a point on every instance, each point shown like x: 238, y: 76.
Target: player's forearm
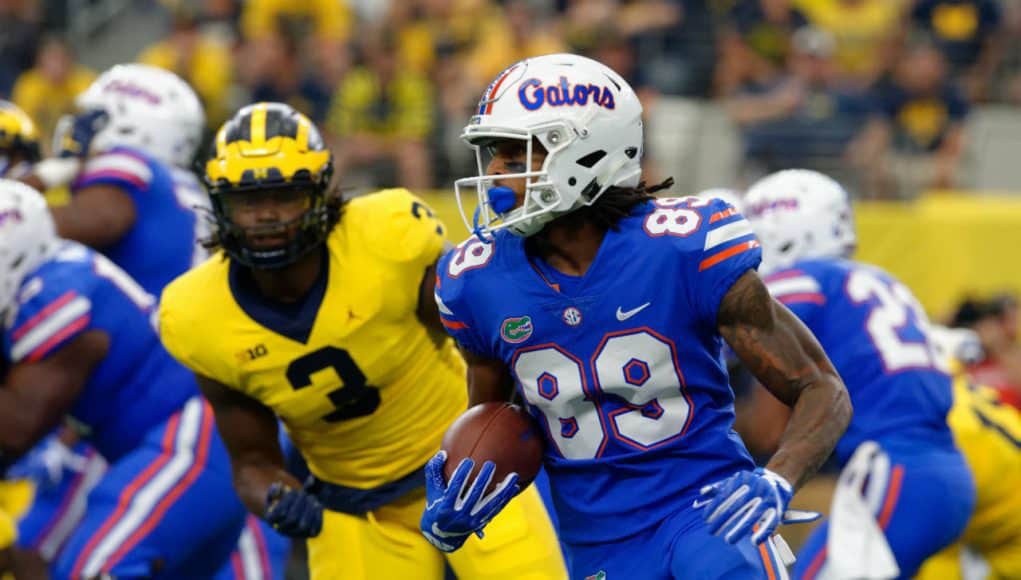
x: 22, y: 424
x: 818, y: 420
x: 252, y: 479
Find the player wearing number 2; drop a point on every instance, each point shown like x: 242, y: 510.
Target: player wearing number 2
x: 905, y: 491
x: 314, y: 314
x: 608, y: 309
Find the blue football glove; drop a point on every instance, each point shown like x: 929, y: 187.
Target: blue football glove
x: 73, y: 135
x: 293, y: 512
x: 749, y: 503
x: 454, y: 512
x: 47, y: 464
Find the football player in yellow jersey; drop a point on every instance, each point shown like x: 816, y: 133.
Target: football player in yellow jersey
x: 15, y: 497
x: 8, y: 533
x: 989, y: 434
x: 320, y: 313
x: 19, y: 142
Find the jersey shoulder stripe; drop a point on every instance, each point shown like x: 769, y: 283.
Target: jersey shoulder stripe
x: 61, y: 319
x: 795, y: 286
x: 117, y: 166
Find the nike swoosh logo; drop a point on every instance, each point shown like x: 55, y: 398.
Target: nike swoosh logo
x: 622, y: 315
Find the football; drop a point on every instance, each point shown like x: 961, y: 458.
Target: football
x: 499, y: 432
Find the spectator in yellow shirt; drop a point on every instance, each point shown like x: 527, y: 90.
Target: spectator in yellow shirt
x: 866, y: 32
x: 328, y: 19
x: 521, y: 34
x: 383, y: 112
x: 328, y: 23
x: 47, y: 91
x: 202, y: 61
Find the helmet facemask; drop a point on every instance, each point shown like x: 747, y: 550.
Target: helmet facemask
x: 541, y: 200
x: 304, y: 233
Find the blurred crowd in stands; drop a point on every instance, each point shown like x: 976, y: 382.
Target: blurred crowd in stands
x: 875, y: 92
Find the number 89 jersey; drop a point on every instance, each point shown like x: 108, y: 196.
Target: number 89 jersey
x: 621, y: 367
x: 364, y: 391
x: 876, y: 334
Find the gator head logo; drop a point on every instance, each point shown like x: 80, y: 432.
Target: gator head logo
x: 516, y: 329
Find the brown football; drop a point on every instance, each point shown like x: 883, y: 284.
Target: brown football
x: 499, y: 432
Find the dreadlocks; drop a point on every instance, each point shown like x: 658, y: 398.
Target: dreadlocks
x: 615, y: 204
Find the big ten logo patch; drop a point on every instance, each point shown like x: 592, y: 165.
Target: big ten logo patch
x: 250, y: 354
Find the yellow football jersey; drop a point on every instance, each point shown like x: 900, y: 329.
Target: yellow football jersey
x: 15, y: 499
x: 363, y: 388
x: 989, y: 435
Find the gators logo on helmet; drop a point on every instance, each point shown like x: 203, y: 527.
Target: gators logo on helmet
x: 270, y: 147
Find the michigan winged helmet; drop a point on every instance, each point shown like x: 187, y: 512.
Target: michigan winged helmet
x: 19, y: 140
x: 270, y: 150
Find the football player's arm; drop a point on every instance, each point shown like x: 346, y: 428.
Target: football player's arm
x: 36, y: 395
x: 787, y: 359
x: 428, y: 310
x: 97, y: 216
x: 488, y: 379
x: 250, y: 432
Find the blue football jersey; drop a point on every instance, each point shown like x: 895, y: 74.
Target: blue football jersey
x: 876, y: 334
x: 137, y: 385
x: 162, y: 244
x: 621, y: 367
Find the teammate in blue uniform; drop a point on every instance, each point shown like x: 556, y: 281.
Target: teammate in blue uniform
x: 607, y: 310
x: 125, y: 155
x: 79, y: 341
x: 918, y: 492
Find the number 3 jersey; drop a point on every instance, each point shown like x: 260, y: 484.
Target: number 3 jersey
x: 363, y: 389
x: 621, y: 367
x: 876, y: 334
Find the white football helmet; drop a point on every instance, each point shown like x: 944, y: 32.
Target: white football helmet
x: 27, y: 238
x: 800, y: 214
x: 584, y: 114
x: 149, y: 108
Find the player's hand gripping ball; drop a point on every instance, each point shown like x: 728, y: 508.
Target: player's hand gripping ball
x: 461, y: 500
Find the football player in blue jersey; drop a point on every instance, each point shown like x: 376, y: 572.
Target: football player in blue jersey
x: 126, y: 156
x: 905, y: 491
x: 78, y: 341
x: 607, y: 310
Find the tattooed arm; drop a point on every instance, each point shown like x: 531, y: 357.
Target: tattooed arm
x: 786, y: 358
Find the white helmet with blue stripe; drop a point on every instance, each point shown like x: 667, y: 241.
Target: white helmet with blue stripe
x: 28, y: 238
x: 800, y: 214
x: 587, y: 118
